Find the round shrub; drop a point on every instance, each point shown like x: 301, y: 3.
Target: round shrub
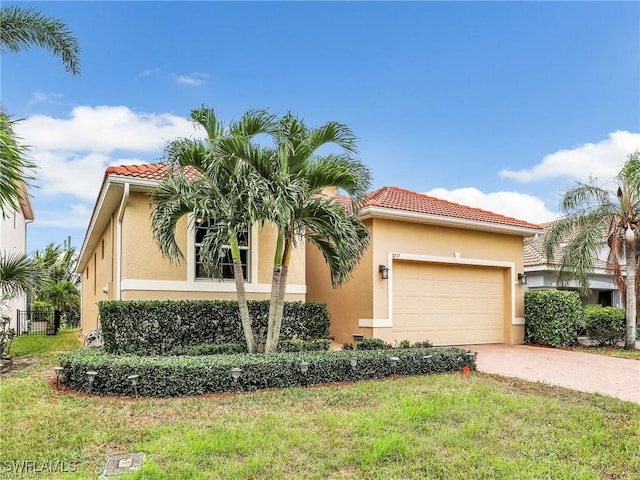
x: 551, y: 317
x: 604, y: 325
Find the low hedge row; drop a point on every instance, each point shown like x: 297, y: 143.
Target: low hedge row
x: 196, y: 375
x: 160, y: 327
x: 293, y: 345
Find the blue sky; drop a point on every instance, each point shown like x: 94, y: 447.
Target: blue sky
x: 499, y: 105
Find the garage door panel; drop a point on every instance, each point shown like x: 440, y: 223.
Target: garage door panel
x: 448, y: 304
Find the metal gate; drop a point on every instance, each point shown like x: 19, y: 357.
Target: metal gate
x: 38, y: 321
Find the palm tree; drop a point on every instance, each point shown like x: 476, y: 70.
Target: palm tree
x: 592, y: 213
x: 13, y: 165
x: 61, y: 286
x: 297, y: 179
x: 18, y: 274
x: 25, y: 27
x: 21, y: 28
x: 197, y: 181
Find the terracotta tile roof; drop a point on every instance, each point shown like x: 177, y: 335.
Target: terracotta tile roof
x: 386, y: 197
x: 151, y: 171
x: 400, y: 199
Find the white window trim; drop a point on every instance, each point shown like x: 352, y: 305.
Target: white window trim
x: 252, y: 254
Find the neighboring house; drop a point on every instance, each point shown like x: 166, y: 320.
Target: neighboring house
x: 452, y: 274
x: 120, y: 260
x: 451, y: 271
x: 542, y: 272
x: 13, y: 239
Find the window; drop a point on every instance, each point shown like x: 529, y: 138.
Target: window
x: 224, y: 256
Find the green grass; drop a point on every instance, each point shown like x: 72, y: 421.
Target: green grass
x: 611, y: 352
x: 438, y: 426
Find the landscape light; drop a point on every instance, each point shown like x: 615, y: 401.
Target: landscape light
x: 304, y: 368
x: 134, y: 381
x: 429, y: 360
x: 91, y: 375
x: 394, y: 361
x: 58, y: 371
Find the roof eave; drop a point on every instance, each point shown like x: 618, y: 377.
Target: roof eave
x: 393, y: 214
x: 104, y: 208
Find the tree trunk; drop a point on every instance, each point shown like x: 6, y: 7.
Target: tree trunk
x: 282, y: 289
x: 273, y: 303
x: 275, y: 294
x: 238, y: 276
x: 630, y: 330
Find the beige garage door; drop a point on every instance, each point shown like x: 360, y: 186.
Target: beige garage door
x: 448, y: 304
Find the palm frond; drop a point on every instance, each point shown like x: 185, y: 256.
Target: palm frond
x: 14, y: 167
x: 339, y: 235
x: 341, y: 171
x: 19, y: 274
x: 332, y: 132
x: 24, y: 27
x: 584, y: 197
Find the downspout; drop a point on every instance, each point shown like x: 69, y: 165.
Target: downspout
x: 123, y: 206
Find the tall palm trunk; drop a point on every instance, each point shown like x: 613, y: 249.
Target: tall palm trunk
x: 282, y: 290
x: 243, y: 306
x: 630, y: 286
x: 275, y: 294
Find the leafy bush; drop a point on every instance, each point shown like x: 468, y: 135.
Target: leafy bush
x: 196, y: 375
x: 378, y: 344
x: 160, y: 327
x: 551, y: 316
x: 604, y: 325
x: 210, y: 349
x: 371, y: 344
x: 299, y: 345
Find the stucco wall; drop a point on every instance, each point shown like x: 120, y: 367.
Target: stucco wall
x: 347, y: 303
x: 141, y: 257
x: 13, y: 240
x: 147, y: 275
x: 98, y: 274
x: 365, y: 297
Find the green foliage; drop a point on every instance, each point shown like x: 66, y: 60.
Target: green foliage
x: 551, y: 316
x: 299, y: 345
x: 196, y: 375
x: 605, y: 325
x: 371, y: 344
x: 210, y: 349
x: 158, y: 327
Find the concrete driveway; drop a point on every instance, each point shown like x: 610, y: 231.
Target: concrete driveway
x: 585, y: 372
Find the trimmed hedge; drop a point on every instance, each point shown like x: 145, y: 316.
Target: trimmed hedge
x: 160, y: 327
x: 196, y: 375
x: 298, y: 345
x: 605, y: 325
x: 551, y: 317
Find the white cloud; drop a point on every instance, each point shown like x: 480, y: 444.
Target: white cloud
x: 76, y: 216
x: 41, y: 97
x: 193, y: 79
x: 72, y: 153
x: 103, y: 129
x: 597, y: 160
x: 511, y: 204
x: 148, y: 72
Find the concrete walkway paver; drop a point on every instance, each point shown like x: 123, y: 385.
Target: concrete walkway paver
x: 585, y: 372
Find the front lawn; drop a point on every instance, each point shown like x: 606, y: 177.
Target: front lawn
x: 437, y: 426
x: 611, y: 352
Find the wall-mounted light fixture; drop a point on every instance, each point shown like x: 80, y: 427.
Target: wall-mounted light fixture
x: 105, y: 289
x: 384, y: 271
x: 522, y: 278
